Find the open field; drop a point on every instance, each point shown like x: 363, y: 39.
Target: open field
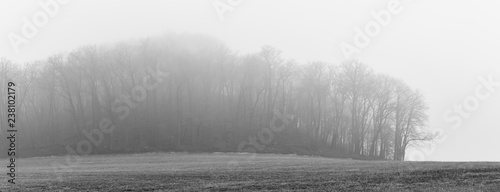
x: 241, y: 172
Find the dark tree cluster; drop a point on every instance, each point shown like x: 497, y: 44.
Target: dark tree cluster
x: 212, y: 99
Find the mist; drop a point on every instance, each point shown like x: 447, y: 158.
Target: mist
x: 388, y: 81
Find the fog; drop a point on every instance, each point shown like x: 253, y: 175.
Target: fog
x: 442, y: 54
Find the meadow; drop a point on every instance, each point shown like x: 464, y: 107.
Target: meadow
x: 247, y: 172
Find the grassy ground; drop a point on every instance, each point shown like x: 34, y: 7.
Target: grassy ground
x: 244, y: 172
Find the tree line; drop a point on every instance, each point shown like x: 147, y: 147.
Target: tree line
x: 212, y: 99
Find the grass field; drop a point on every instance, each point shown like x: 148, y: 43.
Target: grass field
x: 242, y: 172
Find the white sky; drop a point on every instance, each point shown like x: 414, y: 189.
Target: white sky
x: 440, y: 47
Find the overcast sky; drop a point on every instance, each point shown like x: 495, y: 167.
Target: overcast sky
x: 441, y: 47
